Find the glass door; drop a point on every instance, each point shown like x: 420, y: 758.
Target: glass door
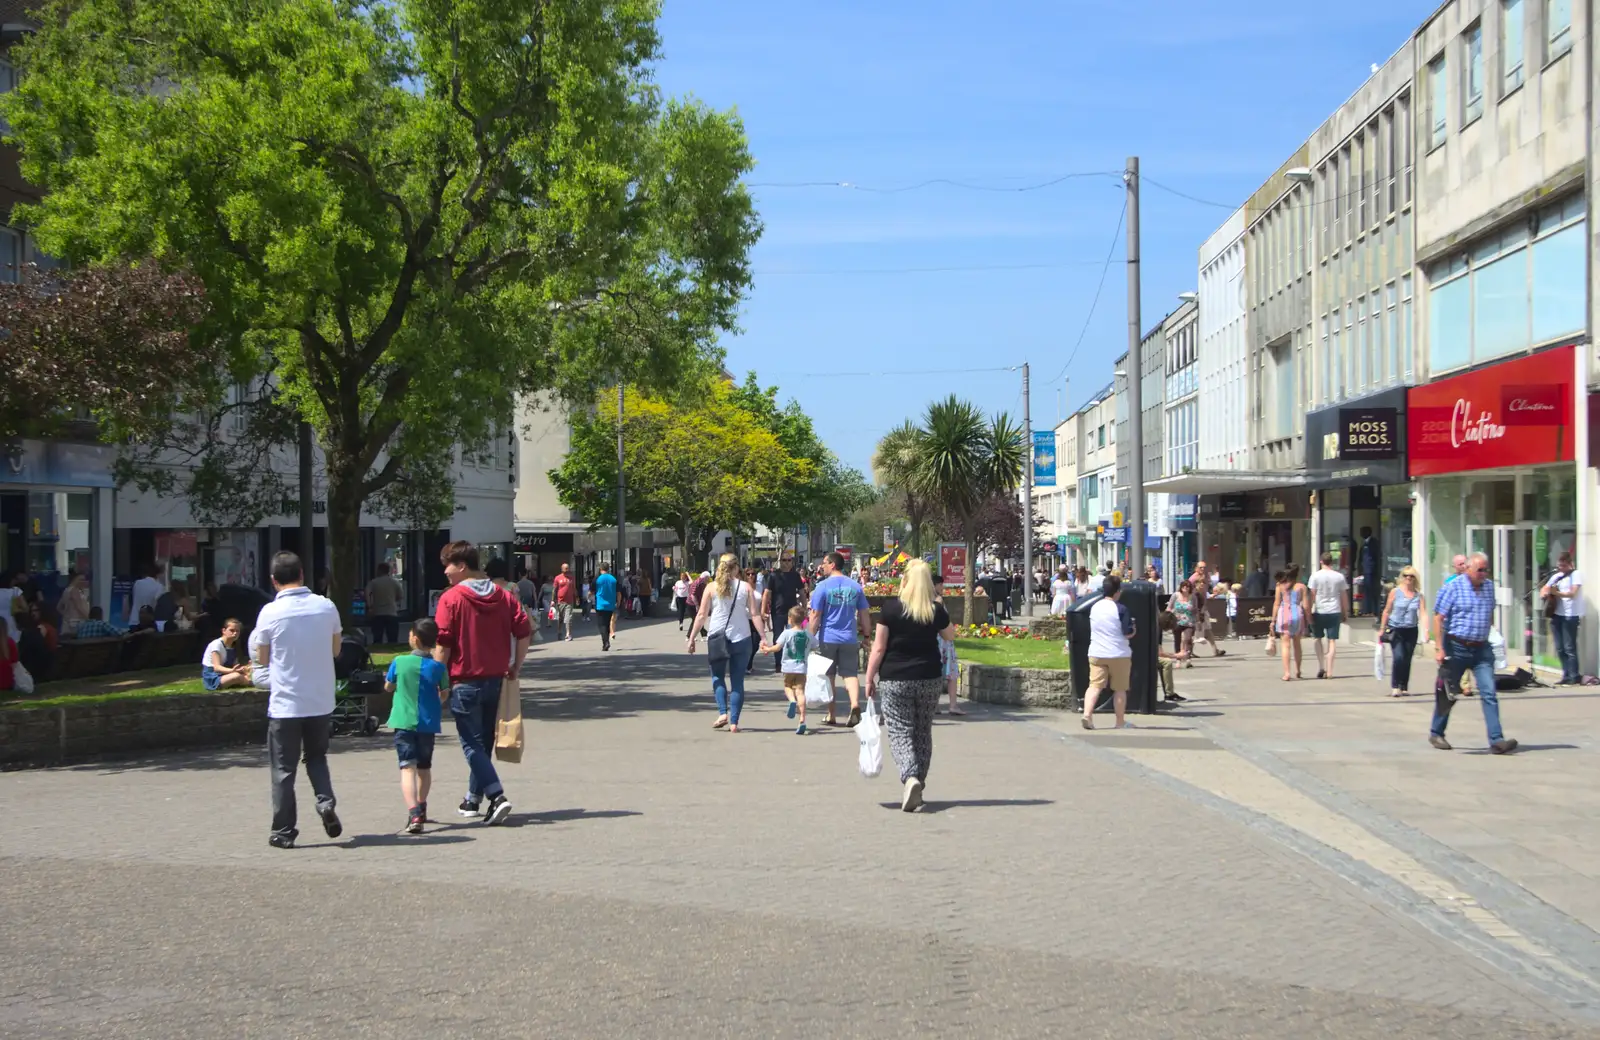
x: 1515, y: 586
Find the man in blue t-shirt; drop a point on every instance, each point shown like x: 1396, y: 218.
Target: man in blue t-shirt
x: 839, y: 613
x: 605, y: 604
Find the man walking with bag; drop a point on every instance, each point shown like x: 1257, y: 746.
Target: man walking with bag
x: 566, y: 597
x: 1462, y: 617
x: 839, y: 613
x: 297, y: 636
x: 483, y: 638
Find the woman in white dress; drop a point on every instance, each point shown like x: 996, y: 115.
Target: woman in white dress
x: 1062, y: 592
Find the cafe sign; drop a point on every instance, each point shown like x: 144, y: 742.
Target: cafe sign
x: 1516, y: 413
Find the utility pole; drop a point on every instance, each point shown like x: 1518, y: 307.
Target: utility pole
x: 1027, y: 500
x: 622, y: 497
x: 1135, y: 380
x: 308, y: 544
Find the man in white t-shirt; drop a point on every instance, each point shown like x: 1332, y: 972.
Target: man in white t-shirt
x: 1110, y: 653
x: 1566, y: 587
x: 146, y: 592
x: 297, y: 636
x: 1330, y: 603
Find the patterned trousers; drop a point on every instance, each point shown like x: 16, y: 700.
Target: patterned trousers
x: 908, y: 706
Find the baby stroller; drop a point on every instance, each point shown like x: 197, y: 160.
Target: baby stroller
x: 355, y: 681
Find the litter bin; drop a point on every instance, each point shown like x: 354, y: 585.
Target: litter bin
x: 1140, y: 599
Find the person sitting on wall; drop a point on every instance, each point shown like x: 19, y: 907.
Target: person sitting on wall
x: 96, y: 627
x: 222, y: 665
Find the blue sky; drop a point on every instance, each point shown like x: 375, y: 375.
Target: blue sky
x: 1212, y: 95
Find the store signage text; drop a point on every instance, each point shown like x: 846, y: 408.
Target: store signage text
x: 1368, y: 433
x: 1514, y: 413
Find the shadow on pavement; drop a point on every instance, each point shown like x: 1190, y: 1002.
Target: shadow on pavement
x: 367, y: 841
x: 973, y: 803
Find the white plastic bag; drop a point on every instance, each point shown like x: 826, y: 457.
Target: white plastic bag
x: 818, y: 693
x: 1497, y: 645
x: 1380, y: 660
x: 21, y: 680
x: 871, y: 736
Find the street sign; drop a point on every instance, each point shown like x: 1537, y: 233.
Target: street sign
x: 953, y: 563
x: 1044, y: 458
x: 1116, y: 518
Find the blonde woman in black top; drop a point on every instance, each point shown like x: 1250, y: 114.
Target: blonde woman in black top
x: 906, y: 669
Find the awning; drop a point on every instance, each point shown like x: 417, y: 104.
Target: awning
x: 1224, y: 481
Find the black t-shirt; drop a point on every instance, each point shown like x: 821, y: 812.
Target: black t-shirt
x: 913, y: 651
x: 785, y: 590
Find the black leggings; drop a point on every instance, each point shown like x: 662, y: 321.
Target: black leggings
x: 683, y: 611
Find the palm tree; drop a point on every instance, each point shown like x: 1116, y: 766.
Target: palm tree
x: 894, y: 464
x: 962, y: 460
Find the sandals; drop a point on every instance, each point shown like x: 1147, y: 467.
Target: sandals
x: 722, y: 720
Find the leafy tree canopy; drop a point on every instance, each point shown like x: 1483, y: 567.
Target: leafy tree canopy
x: 405, y: 214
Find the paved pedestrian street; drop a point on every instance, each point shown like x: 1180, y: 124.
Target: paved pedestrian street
x: 1263, y: 863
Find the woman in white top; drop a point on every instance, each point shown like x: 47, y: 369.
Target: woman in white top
x: 680, y: 598
x: 1110, y: 653
x: 1062, y: 592
x: 727, y: 615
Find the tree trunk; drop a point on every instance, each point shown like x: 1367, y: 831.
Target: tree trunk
x: 972, y: 571
x: 344, y: 536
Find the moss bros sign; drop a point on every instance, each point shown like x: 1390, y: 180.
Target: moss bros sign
x: 1360, y: 443
x: 1516, y: 413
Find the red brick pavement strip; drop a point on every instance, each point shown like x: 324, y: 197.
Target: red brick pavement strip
x: 627, y: 798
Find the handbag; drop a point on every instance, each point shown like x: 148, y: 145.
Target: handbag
x: 508, y: 721
x: 869, y: 733
x: 21, y: 678
x: 718, y: 649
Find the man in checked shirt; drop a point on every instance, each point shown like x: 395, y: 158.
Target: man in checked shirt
x: 1462, y: 616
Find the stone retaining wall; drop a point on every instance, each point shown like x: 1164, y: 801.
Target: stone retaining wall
x: 1025, y: 687
x: 45, y: 736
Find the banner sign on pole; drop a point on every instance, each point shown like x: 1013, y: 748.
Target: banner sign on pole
x: 1044, y: 458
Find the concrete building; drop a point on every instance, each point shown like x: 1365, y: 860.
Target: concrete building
x: 1097, y: 471
x: 1498, y: 433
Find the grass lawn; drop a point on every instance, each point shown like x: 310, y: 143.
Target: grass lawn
x: 1013, y: 653
x: 177, y: 681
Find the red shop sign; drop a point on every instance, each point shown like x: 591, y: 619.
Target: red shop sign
x: 1516, y: 413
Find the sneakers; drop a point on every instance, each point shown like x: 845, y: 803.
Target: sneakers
x: 1439, y: 742
x: 801, y: 731
x: 499, y: 808
x: 281, y: 841
x: 422, y: 807
x: 855, y: 717
x: 913, y: 796
x: 330, y: 823
x: 793, y: 709
x: 1503, y: 747
x: 414, y: 821
x: 468, y: 807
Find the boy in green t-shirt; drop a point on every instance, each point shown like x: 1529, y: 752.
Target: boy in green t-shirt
x: 419, y: 684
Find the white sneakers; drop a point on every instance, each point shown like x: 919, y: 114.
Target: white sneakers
x: 913, y: 797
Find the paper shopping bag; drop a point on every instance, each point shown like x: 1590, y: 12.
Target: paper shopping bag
x: 508, y: 723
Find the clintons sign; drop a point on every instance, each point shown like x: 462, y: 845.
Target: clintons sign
x: 1516, y: 413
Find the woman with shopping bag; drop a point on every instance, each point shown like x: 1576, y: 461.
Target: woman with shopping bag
x: 905, y: 674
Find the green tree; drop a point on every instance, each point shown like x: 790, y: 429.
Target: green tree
x: 894, y: 466
x: 704, y: 465
x: 963, y: 460
x: 405, y: 214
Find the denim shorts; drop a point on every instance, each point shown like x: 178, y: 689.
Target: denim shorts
x: 414, y: 749
x: 211, y: 678
x: 1325, y: 626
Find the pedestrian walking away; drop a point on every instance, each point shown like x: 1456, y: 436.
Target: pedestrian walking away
x: 483, y: 638
x: 680, y: 598
x: 383, y: 607
x: 1401, y: 625
x: 792, y: 647
x: 839, y: 613
x: 906, y: 674
x: 781, y: 595
x: 1289, y: 618
x: 296, y: 638
x: 1330, y: 605
x: 1062, y: 592
x: 1563, y: 597
x: 419, y: 685
x: 1110, y: 653
x: 605, y: 604
x: 565, y: 590
x: 1462, y: 617
x: 726, y: 615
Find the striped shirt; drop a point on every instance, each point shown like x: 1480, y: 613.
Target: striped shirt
x: 1467, y: 609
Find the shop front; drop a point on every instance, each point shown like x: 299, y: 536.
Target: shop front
x: 1492, y: 453
x: 1356, y: 463
x: 56, y: 514
x: 1238, y: 529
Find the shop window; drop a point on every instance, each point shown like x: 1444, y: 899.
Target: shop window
x: 1500, y: 306
x: 1559, y: 271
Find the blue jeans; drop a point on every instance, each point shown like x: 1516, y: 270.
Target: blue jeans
x: 1565, y: 630
x: 727, y: 681
x: 1460, y: 658
x: 475, y: 703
